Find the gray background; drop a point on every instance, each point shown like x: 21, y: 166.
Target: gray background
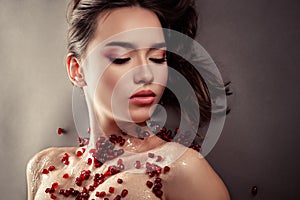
x: 255, y: 43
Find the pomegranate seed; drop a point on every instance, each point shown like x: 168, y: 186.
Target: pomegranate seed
x: 55, y: 185
x: 120, y: 181
x: 137, y: 164
x: 45, y: 171
x: 51, y: 168
x: 158, y: 193
x: 111, y: 190
x: 166, y: 169
x: 47, y: 190
x: 53, y: 196
x: 149, y: 184
x: 159, y: 158
x: 89, y: 162
x: 118, y: 197
x: 151, y: 155
x: 60, y: 131
x: 91, y: 188
x: 157, y: 180
x: 120, y: 161
x: 124, y: 193
x: 102, y: 194
x: 79, y: 153
x: 66, y: 176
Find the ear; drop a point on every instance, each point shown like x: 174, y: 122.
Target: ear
x: 75, y: 71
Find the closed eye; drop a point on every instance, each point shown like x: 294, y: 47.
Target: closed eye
x: 119, y: 61
x: 158, y: 60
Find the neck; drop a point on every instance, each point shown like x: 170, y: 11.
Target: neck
x: 135, y: 139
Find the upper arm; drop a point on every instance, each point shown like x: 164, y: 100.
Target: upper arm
x: 194, y: 178
x: 33, y: 171
x: 32, y: 179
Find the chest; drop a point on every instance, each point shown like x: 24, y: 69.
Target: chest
x: 127, y: 185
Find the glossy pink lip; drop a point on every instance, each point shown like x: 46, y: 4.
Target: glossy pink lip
x: 143, y: 97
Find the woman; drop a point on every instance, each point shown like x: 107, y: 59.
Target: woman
x: 120, y: 64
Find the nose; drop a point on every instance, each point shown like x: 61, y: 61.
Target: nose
x: 143, y: 74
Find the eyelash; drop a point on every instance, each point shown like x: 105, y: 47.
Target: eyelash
x: 120, y: 61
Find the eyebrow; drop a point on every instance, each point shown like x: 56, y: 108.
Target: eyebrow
x: 128, y: 45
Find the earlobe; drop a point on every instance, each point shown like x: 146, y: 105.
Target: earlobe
x: 75, y: 71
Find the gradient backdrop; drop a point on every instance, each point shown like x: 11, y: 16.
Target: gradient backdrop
x: 256, y: 45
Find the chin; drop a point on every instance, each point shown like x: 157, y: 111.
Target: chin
x: 140, y: 116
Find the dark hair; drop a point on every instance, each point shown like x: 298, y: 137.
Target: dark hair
x: 178, y: 15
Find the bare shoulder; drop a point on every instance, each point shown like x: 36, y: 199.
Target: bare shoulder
x: 196, y: 178
x: 48, y: 156
x: 42, y: 160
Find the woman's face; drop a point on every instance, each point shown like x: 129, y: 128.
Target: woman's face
x: 125, y: 68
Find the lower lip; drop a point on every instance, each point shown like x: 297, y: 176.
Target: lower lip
x: 142, y: 100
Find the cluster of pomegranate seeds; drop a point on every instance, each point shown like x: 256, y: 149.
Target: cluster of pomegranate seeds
x: 65, y: 159
x: 185, y: 139
x: 154, y: 171
x: 46, y: 171
x: 69, y: 192
x: 83, y: 141
x: 156, y: 186
x: 51, y: 190
x: 105, y: 150
x: 84, y: 175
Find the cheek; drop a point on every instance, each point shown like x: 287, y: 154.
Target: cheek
x: 161, y: 76
x: 106, y: 86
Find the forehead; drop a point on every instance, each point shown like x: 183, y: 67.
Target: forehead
x: 135, y: 25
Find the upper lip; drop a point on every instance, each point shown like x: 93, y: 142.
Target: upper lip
x: 143, y: 93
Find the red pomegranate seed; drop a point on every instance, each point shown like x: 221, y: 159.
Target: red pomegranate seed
x: 89, y: 162
x: 47, y: 190
x: 120, y: 181
x: 158, y: 193
x: 66, y: 176
x: 65, y: 159
x: 151, y: 155
x: 102, y: 194
x: 124, y: 193
x: 45, y: 171
x: 111, y: 190
x: 120, y: 161
x: 91, y: 188
x: 60, y: 131
x: 166, y: 169
x: 137, y: 164
x: 159, y: 158
x: 53, y: 196
x: 55, y: 185
x: 79, y: 153
x: 118, y: 197
x: 51, y: 168
x: 149, y: 184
